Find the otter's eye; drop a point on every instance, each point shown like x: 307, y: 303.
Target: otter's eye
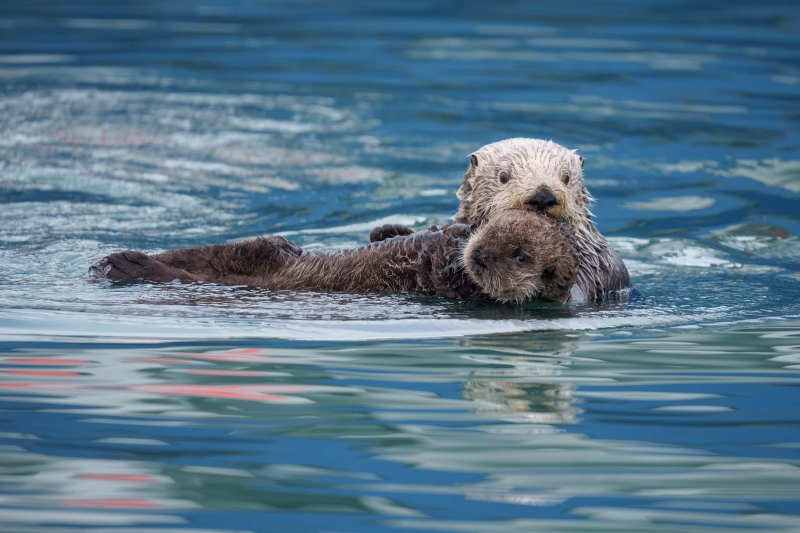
x: 503, y: 177
x: 521, y: 259
x: 565, y: 178
x: 549, y: 272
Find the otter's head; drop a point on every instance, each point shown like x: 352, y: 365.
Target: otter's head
x: 518, y: 255
x: 529, y: 174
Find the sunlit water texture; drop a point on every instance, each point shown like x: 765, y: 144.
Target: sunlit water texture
x: 177, y: 408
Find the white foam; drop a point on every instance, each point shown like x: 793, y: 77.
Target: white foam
x: 36, y: 58
x: 266, y: 124
x: 772, y: 172
x: 127, y: 328
x: 672, y: 203
x: 407, y: 220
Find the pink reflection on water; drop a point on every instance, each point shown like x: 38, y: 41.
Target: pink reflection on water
x: 24, y: 385
x: 143, y: 382
x: 60, y: 373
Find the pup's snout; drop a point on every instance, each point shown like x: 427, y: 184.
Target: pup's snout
x: 542, y: 200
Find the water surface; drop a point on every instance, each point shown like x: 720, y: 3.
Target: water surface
x: 159, y: 125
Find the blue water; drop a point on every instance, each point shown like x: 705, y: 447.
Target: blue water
x: 173, y: 408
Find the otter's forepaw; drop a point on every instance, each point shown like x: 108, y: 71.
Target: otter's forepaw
x: 387, y: 231
x: 458, y: 230
x: 133, y: 266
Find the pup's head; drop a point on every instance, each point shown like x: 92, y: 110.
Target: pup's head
x: 519, y: 255
x: 529, y: 174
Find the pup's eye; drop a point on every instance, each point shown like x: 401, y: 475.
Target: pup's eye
x: 503, y: 177
x: 565, y: 178
x: 549, y: 272
x: 521, y: 259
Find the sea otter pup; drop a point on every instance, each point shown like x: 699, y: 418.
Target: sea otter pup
x: 514, y: 256
x: 544, y: 177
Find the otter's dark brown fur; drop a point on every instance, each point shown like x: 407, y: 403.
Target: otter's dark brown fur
x: 540, y: 176
x: 514, y: 259
x: 219, y: 262
x: 428, y: 262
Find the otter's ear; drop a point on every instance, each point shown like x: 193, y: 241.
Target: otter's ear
x: 579, y: 157
x: 472, y: 167
x: 465, y: 191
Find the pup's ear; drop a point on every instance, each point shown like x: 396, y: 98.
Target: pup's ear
x: 579, y: 157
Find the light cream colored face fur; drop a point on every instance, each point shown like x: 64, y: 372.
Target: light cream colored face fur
x: 506, y: 175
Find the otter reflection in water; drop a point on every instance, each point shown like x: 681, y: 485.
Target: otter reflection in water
x: 515, y: 256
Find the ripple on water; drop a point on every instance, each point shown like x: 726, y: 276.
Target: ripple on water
x: 538, y: 421
x: 146, y: 162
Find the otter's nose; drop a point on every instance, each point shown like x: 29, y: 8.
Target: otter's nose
x: 478, y: 258
x: 542, y: 200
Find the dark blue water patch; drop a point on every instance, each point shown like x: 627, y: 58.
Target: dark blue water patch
x: 211, y: 443
x: 738, y: 200
x: 441, y: 390
x: 756, y: 416
x: 271, y: 522
x: 724, y: 213
x: 767, y: 203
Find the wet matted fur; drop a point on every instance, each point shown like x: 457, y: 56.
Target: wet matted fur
x: 430, y: 262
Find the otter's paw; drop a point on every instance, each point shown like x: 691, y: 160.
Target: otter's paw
x: 133, y: 266
x: 458, y: 230
x: 387, y: 231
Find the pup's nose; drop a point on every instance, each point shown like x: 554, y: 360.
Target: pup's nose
x: 542, y: 200
x: 478, y: 258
